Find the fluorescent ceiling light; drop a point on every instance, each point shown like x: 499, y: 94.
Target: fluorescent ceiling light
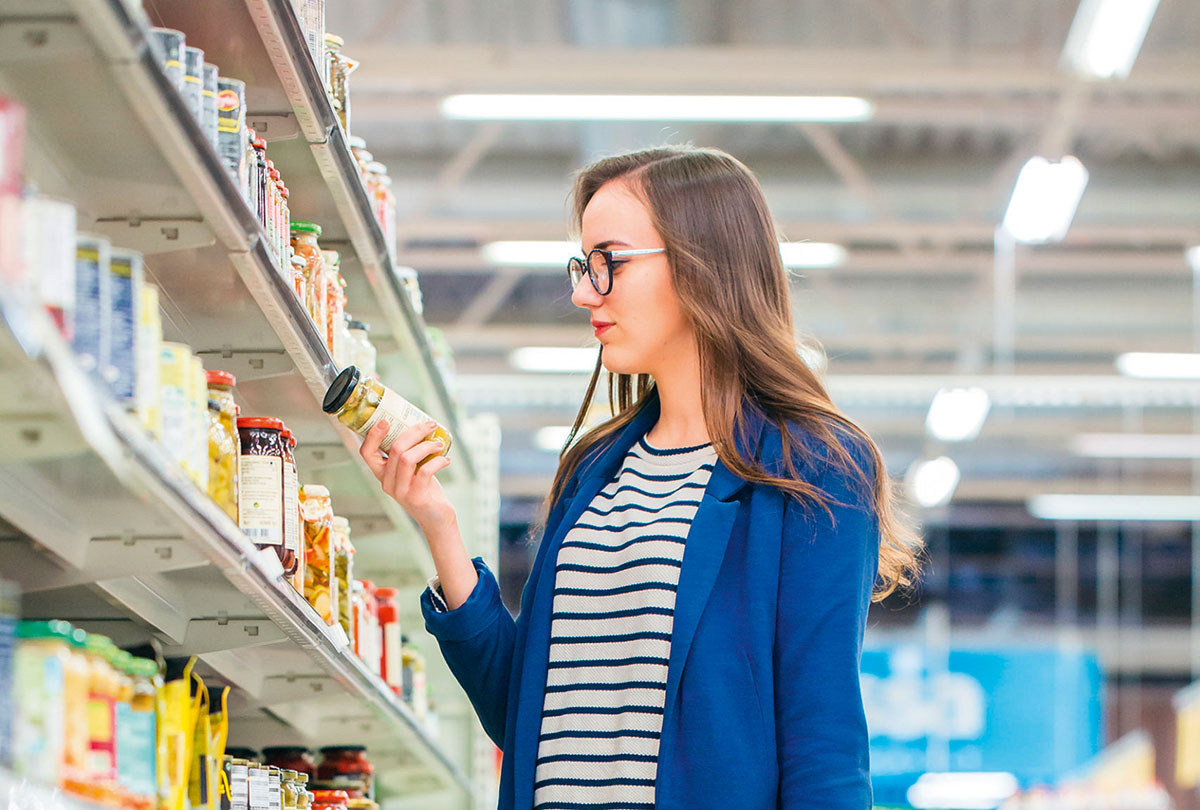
x: 1044, y: 199
x: 1136, y: 445
x: 512, y: 107
x: 932, y: 482
x: 1106, y: 36
x: 530, y: 253
x: 1115, y: 507
x: 553, y: 359
x: 962, y: 791
x: 555, y: 254
x: 552, y: 438
x: 1192, y: 255
x: 812, y: 254
x: 1160, y: 365
x: 957, y: 414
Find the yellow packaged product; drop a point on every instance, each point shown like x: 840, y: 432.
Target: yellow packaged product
x: 149, y: 342
x: 177, y: 729
x: 175, y: 408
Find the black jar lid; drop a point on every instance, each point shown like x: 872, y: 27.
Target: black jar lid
x: 273, y: 751
x: 340, y: 389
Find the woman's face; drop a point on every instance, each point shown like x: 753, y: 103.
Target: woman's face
x: 640, y: 322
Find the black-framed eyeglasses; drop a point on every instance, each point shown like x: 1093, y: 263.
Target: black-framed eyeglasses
x: 599, y: 266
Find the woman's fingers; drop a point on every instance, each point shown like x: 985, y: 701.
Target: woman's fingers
x: 411, y: 436
x: 423, y: 451
x: 431, y: 468
x: 370, y: 448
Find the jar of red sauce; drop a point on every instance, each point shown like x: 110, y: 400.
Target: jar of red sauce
x: 347, y: 768
x: 290, y: 758
x: 330, y: 799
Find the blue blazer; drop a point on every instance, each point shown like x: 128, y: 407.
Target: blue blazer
x: 763, y: 706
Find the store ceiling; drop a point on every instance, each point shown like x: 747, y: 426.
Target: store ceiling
x: 964, y: 92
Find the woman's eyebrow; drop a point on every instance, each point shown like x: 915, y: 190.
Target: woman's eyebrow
x: 607, y: 243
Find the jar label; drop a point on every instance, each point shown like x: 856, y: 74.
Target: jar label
x: 400, y: 413
x: 260, y: 499
x: 291, y: 497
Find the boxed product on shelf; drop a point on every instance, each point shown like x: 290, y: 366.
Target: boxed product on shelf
x: 193, y: 82
x: 231, y: 130
x: 12, y: 141
x: 92, y: 328
x: 149, y: 350
x: 48, y: 253
x: 125, y: 296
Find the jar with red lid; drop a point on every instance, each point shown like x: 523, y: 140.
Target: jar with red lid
x: 290, y: 757
x: 347, y: 768
x: 260, y: 484
x: 330, y: 799
x: 388, y: 608
x: 291, y: 504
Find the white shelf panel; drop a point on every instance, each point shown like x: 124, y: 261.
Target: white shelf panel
x: 127, y: 545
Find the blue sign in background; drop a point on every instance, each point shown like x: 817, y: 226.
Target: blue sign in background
x: 1035, y: 712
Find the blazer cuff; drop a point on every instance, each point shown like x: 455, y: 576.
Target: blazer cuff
x: 472, y: 617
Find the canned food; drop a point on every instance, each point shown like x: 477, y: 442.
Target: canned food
x: 193, y: 81
x: 167, y: 44
x: 208, y: 104
x: 231, y: 129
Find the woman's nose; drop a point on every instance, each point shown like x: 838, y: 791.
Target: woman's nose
x: 584, y: 295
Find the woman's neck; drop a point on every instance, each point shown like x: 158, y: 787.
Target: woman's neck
x: 681, y: 413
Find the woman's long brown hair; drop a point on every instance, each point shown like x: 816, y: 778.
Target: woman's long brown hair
x: 727, y: 271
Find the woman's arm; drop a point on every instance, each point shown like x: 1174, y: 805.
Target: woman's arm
x: 827, y: 574
x: 474, y: 630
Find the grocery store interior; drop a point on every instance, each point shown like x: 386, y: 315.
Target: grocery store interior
x: 990, y: 214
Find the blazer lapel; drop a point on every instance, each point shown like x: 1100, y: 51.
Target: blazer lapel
x: 703, y: 554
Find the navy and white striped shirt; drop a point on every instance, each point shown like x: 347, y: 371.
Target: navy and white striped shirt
x: 610, y: 633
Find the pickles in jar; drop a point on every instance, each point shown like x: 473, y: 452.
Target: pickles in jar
x: 359, y: 402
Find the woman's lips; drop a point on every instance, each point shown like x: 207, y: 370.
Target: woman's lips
x: 601, y: 327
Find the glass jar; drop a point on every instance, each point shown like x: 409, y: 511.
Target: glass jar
x: 288, y: 794
x: 358, y: 148
x: 320, y: 586
x: 343, y: 572
x: 283, y: 242
x: 41, y: 667
x: 292, y: 757
x: 367, y: 626
x: 299, y: 278
x: 359, y: 402
x: 291, y: 502
x: 330, y: 799
x: 304, y: 242
x: 304, y: 797
x: 275, y: 208
x: 362, y: 351
x: 99, y: 781
x: 335, y: 300
x: 136, y: 743
x: 333, y: 46
x: 259, y: 179
x: 260, y: 478
x: 388, y: 608
x: 223, y: 462
x: 347, y: 767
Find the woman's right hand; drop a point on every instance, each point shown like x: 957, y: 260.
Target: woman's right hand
x: 415, y: 489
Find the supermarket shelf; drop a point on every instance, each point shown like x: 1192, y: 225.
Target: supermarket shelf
x: 287, y: 104
x: 223, y: 293
x: 200, y: 586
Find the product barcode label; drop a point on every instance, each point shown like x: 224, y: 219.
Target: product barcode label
x: 258, y: 534
x: 239, y: 787
x: 260, y: 789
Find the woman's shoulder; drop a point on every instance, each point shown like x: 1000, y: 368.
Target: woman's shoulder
x: 810, y: 447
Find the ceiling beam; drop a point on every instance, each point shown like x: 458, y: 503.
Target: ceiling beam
x: 442, y: 69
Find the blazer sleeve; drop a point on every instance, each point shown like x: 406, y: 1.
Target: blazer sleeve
x: 827, y: 573
x: 477, y: 640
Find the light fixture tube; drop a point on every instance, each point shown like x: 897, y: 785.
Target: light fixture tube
x: 1105, y: 37
x: 553, y: 359
x: 1160, y: 365
x: 1044, y: 199
x: 539, y: 107
x: 957, y: 414
x: 1115, y: 507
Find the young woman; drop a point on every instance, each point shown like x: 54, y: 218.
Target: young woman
x: 690, y: 633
